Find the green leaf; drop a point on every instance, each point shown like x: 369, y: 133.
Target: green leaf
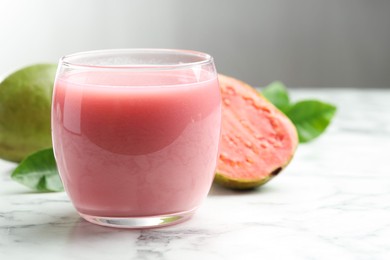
x: 311, y: 118
x: 38, y: 171
x: 277, y: 94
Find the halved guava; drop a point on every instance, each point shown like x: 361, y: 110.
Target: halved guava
x: 257, y: 141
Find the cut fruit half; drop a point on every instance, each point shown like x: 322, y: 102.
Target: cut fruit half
x: 257, y: 142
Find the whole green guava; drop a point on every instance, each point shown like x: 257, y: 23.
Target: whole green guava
x: 25, y: 105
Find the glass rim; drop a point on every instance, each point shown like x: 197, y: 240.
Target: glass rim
x: 204, y: 59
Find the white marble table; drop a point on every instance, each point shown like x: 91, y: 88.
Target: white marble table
x: 332, y: 202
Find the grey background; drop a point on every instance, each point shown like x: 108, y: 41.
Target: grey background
x: 312, y: 43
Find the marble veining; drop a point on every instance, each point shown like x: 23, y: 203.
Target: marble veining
x: 332, y: 202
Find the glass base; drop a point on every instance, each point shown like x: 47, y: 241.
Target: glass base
x: 140, y: 222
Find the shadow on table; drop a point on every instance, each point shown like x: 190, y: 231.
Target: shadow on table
x: 67, y: 229
x: 84, y: 231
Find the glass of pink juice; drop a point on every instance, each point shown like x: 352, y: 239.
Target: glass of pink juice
x: 136, y: 134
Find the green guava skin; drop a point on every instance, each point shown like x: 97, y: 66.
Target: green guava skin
x: 25, y: 105
x: 240, y: 184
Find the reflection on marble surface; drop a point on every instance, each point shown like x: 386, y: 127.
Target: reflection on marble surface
x: 332, y: 202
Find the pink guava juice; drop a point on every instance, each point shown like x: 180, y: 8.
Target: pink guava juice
x: 136, y: 143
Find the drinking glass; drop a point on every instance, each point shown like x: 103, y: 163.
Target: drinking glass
x: 136, y: 134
